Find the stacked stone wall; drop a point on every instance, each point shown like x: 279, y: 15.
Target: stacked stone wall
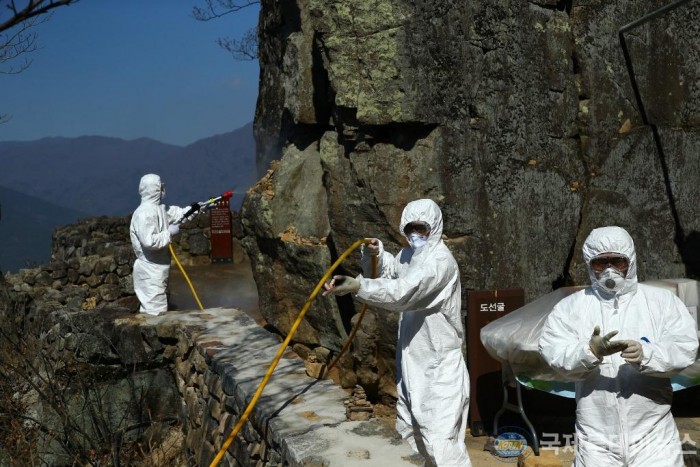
x: 189, y: 377
x: 91, y: 262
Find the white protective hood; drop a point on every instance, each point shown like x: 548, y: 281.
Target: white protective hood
x: 611, y: 240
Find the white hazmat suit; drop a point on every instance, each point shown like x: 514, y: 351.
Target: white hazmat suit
x: 150, y: 238
x: 623, y: 412
x: 432, y: 379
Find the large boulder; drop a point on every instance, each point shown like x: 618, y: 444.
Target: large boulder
x: 517, y: 118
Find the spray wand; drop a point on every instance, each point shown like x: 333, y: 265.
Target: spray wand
x: 204, y: 205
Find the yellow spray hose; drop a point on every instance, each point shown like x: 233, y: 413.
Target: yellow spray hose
x: 185, y: 276
x: 281, y: 350
x: 351, y: 337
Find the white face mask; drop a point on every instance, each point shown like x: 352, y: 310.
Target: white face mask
x: 416, y: 241
x: 611, y: 280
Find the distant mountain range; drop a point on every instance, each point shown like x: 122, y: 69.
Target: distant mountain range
x: 55, y: 181
x: 26, y: 225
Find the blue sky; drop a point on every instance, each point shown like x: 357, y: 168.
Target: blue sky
x: 131, y: 69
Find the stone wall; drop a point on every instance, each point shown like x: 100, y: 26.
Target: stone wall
x: 178, y: 383
x: 92, y: 260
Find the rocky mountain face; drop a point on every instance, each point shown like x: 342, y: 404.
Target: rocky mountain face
x: 517, y: 118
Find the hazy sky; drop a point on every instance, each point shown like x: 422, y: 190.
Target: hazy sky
x: 131, y: 69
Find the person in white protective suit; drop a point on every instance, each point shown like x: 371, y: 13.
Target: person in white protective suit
x: 422, y: 283
x: 623, y: 388
x: 152, y: 228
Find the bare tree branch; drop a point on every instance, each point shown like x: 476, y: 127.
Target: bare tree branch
x: 31, y: 9
x: 218, y: 8
x: 16, y: 34
x: 245, y: 48
x: 17, y: 38
x: 22, y: 40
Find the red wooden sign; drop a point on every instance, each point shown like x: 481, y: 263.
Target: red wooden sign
x: 221, y: 233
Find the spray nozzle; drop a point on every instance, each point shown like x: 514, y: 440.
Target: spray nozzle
x: 204, y: 205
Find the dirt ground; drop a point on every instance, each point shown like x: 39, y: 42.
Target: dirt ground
x: 477, y: 446
x: 481, y: 456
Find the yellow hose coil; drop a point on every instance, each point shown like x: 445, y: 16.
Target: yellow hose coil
x: 357, y: 324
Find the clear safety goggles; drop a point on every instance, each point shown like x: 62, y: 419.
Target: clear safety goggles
x: 603, y: 262
x: 421, y: 228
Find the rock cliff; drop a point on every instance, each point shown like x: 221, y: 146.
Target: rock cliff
x: 518, y: 118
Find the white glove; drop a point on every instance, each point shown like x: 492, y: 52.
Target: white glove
x: 372, y: 248
x: 633, y: 353
x: 341, y: 285
x: 174, y: 229
x: 603, y: 346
